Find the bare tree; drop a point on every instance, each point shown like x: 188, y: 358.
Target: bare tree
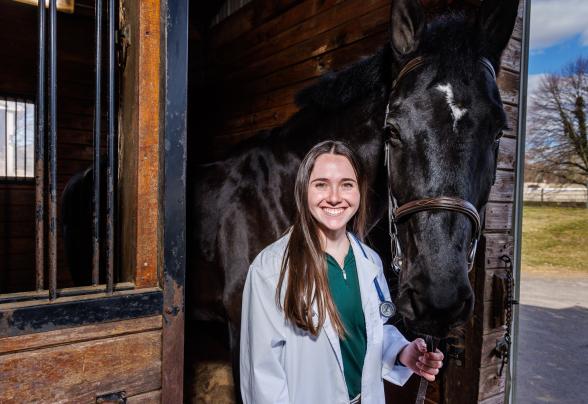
x: 557, y: 145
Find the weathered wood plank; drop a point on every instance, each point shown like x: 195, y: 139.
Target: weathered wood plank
x: 488, y: 357
x: 22, y: 317
x: 497, y: 244
x: 147, y: 255
x: 79, y: 372
x: 507, y: 154
x: 78, y: 334
x: 508, y: 84
x: 498, y: 216
x: 340, y: 26
x: 461, y: 376
x: 252, y: 15
x: 511, y: 57
x: 484, y: 319
x: 269, y: 118
x: 490, y: 383
x: 280, y: 32
x: 512, y: 119
x: 497, y: 399
x: 503, y: 188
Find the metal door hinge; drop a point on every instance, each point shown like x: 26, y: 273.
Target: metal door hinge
x: 123, y: 42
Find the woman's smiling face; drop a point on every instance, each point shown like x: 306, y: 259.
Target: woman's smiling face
x: 333, y: 193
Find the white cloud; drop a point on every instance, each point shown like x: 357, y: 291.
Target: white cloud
x: 554, y: 21
x: 533, y: 81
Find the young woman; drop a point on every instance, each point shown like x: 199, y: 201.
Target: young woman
x: 312, y: 328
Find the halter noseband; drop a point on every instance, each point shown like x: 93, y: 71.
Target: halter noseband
x: 447, y: 203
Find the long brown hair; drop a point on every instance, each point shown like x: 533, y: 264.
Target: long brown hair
x: 304, y: 264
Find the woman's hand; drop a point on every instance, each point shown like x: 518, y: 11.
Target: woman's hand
x: 415, y: 357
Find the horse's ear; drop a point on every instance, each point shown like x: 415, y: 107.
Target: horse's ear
x: 407, y: 22
x: 496, y: 21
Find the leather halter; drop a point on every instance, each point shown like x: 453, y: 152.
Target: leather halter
x: 445, y: 203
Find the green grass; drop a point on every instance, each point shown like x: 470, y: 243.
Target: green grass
x: 555, y: 239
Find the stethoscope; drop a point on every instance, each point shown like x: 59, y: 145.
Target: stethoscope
x: 387, y: 308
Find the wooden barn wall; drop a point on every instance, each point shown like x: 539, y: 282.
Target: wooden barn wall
x: 76, y: 365
x: 18, y: 77
x: 252, y: 64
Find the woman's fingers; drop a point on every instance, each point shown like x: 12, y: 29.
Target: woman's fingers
x: 427, y: 376
x: 431, y: 361
x: 427, y: 369
x: 421, y: 345
x: 436, y: 356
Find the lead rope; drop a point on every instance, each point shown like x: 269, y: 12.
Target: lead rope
x: 432, y: 344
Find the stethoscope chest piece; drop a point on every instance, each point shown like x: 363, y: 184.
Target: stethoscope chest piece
x: 387, y: 309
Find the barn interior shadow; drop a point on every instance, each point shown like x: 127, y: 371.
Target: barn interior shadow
x: 208, y: 375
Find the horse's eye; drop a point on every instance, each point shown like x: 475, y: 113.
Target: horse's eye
x: 393, y: 134
x: 499, y: 135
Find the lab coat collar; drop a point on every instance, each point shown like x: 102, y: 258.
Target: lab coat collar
x: 369, y: 270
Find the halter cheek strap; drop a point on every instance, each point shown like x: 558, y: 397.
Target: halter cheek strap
x: 446, y: 203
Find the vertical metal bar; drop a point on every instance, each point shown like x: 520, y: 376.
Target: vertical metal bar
x: 97, y: 131
x: 52, y: 150
x: 15, y: 138
x: 6, y: 137
x: 175, y: 67
x: 25, y: 140
x: 40, y: 154
x: 517, y: 225
x: 110, y: 165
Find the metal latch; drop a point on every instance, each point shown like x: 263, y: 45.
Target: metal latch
x: 119, y: 397
x: 455, y: 350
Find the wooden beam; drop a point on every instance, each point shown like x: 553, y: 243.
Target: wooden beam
x: 78, y: 334
x: 79, y: 372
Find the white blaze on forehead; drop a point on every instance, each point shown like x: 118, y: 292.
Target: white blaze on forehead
x: 456, y: 112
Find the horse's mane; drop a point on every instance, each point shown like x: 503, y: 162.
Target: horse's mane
x: 452, y: 41
x: 337, y: 89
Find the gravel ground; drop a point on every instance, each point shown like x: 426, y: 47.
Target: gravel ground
x: 553, y: 339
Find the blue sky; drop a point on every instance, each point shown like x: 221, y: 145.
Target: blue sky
x: 559, y: 34
x: 551, y: 59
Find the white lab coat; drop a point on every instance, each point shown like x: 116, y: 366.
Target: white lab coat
x: 280, y: 363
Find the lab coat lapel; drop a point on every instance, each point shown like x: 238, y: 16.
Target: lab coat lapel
x: 333, y: 338
x: 367, y: 271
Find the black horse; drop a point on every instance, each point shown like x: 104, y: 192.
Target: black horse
x: 444, y: 119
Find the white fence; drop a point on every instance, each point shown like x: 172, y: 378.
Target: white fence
x: 555, y: 194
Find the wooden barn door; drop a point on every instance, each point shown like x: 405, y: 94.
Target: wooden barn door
x: 121, y: 341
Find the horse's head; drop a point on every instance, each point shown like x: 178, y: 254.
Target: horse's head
x: 445, y: 117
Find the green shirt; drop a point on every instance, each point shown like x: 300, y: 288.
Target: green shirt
x: 344, y: 286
